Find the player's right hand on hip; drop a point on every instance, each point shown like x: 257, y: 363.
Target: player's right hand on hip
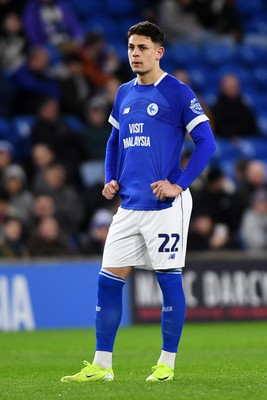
x: 110, y: 189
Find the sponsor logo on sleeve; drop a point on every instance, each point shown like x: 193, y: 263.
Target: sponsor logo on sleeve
x: 195, y: 106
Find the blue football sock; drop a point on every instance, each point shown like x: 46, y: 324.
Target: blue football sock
x: 108, y: 310
x: 173, y: 309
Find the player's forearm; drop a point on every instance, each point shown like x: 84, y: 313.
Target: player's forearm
x: 111, y: 157
x: 205, y: 147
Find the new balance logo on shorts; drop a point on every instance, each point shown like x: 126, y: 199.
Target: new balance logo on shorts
x: 172, y: 256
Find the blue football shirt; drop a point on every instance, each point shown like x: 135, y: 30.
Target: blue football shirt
x: 150, y: 123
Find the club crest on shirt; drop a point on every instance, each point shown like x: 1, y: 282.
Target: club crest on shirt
x: 152, y: 109
x: 196, y: 107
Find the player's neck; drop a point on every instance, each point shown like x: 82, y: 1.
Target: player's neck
x: 149, y: 78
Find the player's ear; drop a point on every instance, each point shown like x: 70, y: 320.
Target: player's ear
x: 160, y: 52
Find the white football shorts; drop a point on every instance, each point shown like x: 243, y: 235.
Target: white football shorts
x: 149, y: 239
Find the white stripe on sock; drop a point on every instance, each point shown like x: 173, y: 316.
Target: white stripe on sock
x: 103, y: 359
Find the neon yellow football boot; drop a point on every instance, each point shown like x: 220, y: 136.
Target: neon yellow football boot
x: 90, y: 373
x: 161, y: 372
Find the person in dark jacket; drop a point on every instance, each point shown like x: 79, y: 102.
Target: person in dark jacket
x: 34, y: 82
x: 233, y: 118
x: 48, y: 240
x: 51, y: 22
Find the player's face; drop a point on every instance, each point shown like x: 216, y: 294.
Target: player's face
x: 144, y: 55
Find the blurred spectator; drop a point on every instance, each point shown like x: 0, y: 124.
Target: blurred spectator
x: 51, y: 22
x: 20, y: 199
x: 6, y: 156
x: 43, y: 207
x: 110, y: 90
x: 11, y: 6
x: 254, y: 177
x: 92, y: 242
x: 93, y: 200
x: 94, y: 54
x: 198, y: 20
x: 233, y: 118
x: 51, y: 129
x: 253, y: 228
x: 206, y: 235
x: 240, y: 171
x: 42, y: 156
x: 6, y: 210
x: 179, y: 21
x: 116, y: 67
x: 94, y: 139
x: 217, y: 200
x: 12, y: 241
x: 149, y: 9
x: 93, y: 70
x: 7, y: 96
x: 13, y: 43
x: 34, y: 82
x: 75, y: 86
x: 97, y: 129
x: 219, y: 16
x: 48, y: 241
x: 200, y: 231
x: 69, y: 206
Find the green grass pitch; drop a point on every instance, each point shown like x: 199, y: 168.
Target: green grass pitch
x: 222, y: 361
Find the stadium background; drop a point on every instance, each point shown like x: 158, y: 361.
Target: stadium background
x: 24, y: 285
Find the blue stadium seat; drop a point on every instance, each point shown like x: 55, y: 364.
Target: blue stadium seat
x: 120, y: 7
x: 188, y: 146
x: 210, y: 96
x: 246, y: 8
x: 262, y: 123
x: 119, y: 45
x: 252, y: 54
x: 202, y: 77
x: 226, y: 150
x: 260, y: 78
x: 217, y: 54
x: 254, y: 147
x: 119, y: 38
x: 256, y: 24
x: 91, y: 173
x: 102, y: 23
x: 256, y: 100
x: 184, y: 54
x: 73, y: 122
x: 228, y: 167
x: 228, y: 153
x: 244, y: 74
x: 5, y: 128
x: 125, y: 22
x: 22, y: 125
x: 84, y: 9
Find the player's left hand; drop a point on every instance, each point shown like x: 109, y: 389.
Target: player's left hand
x: 164, y: 189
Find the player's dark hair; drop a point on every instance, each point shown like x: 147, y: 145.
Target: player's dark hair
x: 148, y: 29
